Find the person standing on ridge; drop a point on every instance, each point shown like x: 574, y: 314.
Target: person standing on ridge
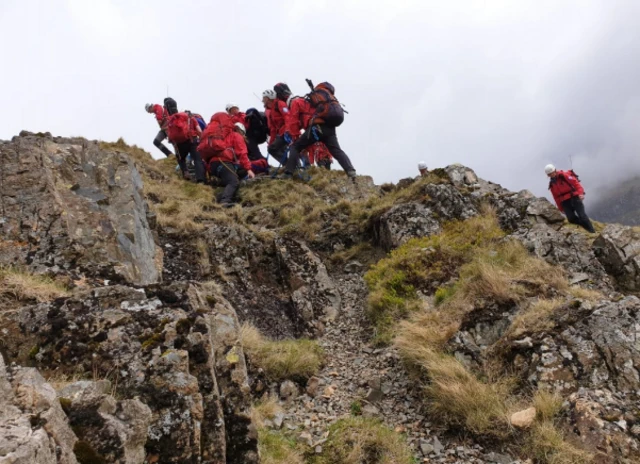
x: 422, y: 168
x: 568, y: 195
x: 183, y: 131
x: 328, y: 114
x: 160, y: 112
x: 277, y: 109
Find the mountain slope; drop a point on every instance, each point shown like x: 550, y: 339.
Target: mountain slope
x: 620, y: 204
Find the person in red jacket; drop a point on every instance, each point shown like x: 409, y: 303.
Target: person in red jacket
x: 277, y: 109
x: 161, y: 115
x: 236, y: 114
x: 187, y: 147
x: 225, y: 165
x: 568, y: 195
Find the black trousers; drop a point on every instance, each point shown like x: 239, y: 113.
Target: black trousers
x: 190, y: 148
x: 253, y: 150
x: 162, y: 135
x: 277, y: 148
x: 328, y: 137
x: 227, y: 173
x: 574, y: 209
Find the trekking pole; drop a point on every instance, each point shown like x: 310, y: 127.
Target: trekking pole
x: 310, y: 84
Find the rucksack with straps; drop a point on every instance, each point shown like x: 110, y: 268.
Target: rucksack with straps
x: 178, y: 127
x: 257, y: 127
x: 200, y: 120
x: 214, y: 138
x: 170, y: 105
x: 328, y: 109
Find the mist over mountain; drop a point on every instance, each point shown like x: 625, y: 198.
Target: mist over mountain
x: 620, y: 203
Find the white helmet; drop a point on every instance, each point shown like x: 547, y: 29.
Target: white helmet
x: 549, y: 168
x: 270, y: 94
x: 231, y: 105
x: 148, y: 107
x: 240, y: 126
x: 422, y: 165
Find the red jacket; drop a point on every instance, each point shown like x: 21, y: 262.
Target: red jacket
x: 236, y: 153
x: 564, y: 186
x: 161, y: 115
x: 194, y: 128
x: 240, y: 117
x: 298, y: 117
x: 275, y: 119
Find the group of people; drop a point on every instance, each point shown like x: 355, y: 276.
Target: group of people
x: 299, y: 131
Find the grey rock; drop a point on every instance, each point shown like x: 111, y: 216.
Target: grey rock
x: 71, y: 204
x: 618, y: 249
x: 403, y: 222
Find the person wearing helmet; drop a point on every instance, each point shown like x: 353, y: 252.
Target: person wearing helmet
x: 162, y: 116
x: 259, y: 163
x: 568, y: 194
x: 235, y: 113
x: 422, y: 168
x: 277, y: 109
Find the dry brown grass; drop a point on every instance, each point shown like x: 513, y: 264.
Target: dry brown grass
x: 536, y: 318
x: 282, y: 359
x: 455, y: 394
x: 548, y: 405
x: 585, y: 293
x: 358, y: 440
x: 264, y: 410
x: 547, y: 445
x: 26, y: 287
x: 277, y: 448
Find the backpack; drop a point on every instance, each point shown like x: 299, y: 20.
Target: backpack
x: 327, y: 106
x: 170, y: 105
x: 257, y: 127
x: 178, y: 128
x: 214, y: 138
x: 200, y: 120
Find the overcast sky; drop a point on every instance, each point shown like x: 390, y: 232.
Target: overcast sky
x: 504, y: 87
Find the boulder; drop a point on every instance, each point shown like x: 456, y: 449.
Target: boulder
x: 618, y: 249
x: 70, y: 207
x: 174, y: 348
x: 461, y: 176
x: 33, y: 427
x: 523, y: 419
x: 114, y: 430
x: 403, y: 222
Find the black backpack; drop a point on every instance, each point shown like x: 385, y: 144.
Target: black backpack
x: 258, y: 129
x: 171, y: 105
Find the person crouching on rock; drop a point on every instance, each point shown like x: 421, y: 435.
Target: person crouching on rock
x: 259, y: 164
x: 568, y: 195
x: 225, y: 151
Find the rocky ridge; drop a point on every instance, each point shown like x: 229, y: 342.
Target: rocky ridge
x: 153, y: 368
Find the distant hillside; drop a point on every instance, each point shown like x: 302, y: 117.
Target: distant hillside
x: 620, y: 204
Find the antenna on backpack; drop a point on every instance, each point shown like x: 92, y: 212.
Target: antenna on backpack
x: 256, y: 95
x: 571, y: 161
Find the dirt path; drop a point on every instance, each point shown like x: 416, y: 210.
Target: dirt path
x: 364, y: 380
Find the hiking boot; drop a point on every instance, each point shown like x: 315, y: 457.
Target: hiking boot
x: 226, y: 204
x: 351, y: 174
x: 284, y: 176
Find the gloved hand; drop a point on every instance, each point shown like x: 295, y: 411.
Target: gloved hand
x: 287, y: 137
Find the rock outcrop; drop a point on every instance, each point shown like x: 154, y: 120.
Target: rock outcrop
x: 618, y: 249
x: 67, y: 206
x: 172, y: 352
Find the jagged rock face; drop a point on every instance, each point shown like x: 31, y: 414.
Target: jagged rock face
x: 403, y: 222
x: 618, y: 249
x: 66, y: 206
x: 33, y: 426
x: 281, y: 286
x: 590, y: 347
x: 172, y: 347
x: 571, y: 250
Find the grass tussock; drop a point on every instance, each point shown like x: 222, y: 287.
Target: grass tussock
x: 587, y: 294
x: 24, y: 286
x: 423, y: 265
x: 456, y: 395
x: 357, y: 440
x: 547, y: 445
x: 282, y: 359
x: 536, y: 318
x: 265, y: 410
x: 548, y: 405
x: 277, y: 448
